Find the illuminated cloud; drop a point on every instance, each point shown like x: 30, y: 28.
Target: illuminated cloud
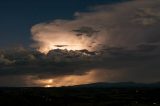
x: 122, y: 25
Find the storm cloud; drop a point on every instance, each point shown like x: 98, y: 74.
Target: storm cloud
x: 109, y: 43
x: 122, y: 25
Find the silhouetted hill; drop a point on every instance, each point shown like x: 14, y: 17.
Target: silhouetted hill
x: 119, y: 85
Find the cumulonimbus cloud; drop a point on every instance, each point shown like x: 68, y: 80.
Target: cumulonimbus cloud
x: 122, y: 25
x: 132, y: 25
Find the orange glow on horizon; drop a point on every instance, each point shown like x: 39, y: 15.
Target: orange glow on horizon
x: 68, y: 80
x: 47, y: 86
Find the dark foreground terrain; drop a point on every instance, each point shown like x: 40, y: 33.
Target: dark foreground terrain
x: 80, y: 96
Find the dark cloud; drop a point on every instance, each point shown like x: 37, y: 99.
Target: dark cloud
x: 147, y: 47
x: 63, y: 62
x: 88, y: 31
x: 60, y: 45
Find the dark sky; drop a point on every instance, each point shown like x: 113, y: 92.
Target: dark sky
x: 17, y: 16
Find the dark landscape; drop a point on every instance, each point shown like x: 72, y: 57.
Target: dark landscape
x: 100, y: 94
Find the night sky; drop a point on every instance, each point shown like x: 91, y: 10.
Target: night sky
x: 17, y: 17
x: 72, y: 42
